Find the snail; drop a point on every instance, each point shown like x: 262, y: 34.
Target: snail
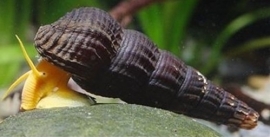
x: 107, y: 60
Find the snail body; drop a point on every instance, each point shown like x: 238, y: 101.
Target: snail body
x: 110, y: 61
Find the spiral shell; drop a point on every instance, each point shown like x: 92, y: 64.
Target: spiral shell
x: 75, y: 32
x: 114, y: 62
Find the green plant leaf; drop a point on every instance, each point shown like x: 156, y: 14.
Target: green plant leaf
x: 165, y: 23
x: 151, y: 23
x: 249, y: 46
x: 228, y: 32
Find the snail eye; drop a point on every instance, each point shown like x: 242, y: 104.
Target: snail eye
x: 43, y: 73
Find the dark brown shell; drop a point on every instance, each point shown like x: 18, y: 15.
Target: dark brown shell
x: 82, y: 42
x: 127, y: 65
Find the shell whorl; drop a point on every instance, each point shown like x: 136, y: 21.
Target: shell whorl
x: 80, y: 34
x: 110, y: 61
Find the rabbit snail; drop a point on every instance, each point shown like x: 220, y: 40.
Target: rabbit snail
x: 107, y: 60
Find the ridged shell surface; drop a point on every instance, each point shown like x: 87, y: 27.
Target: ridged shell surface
x: 82, y: 42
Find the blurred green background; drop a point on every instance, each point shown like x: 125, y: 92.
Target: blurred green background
x: 204, y: 34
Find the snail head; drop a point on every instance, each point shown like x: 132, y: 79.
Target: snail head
x: 46, y: 86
